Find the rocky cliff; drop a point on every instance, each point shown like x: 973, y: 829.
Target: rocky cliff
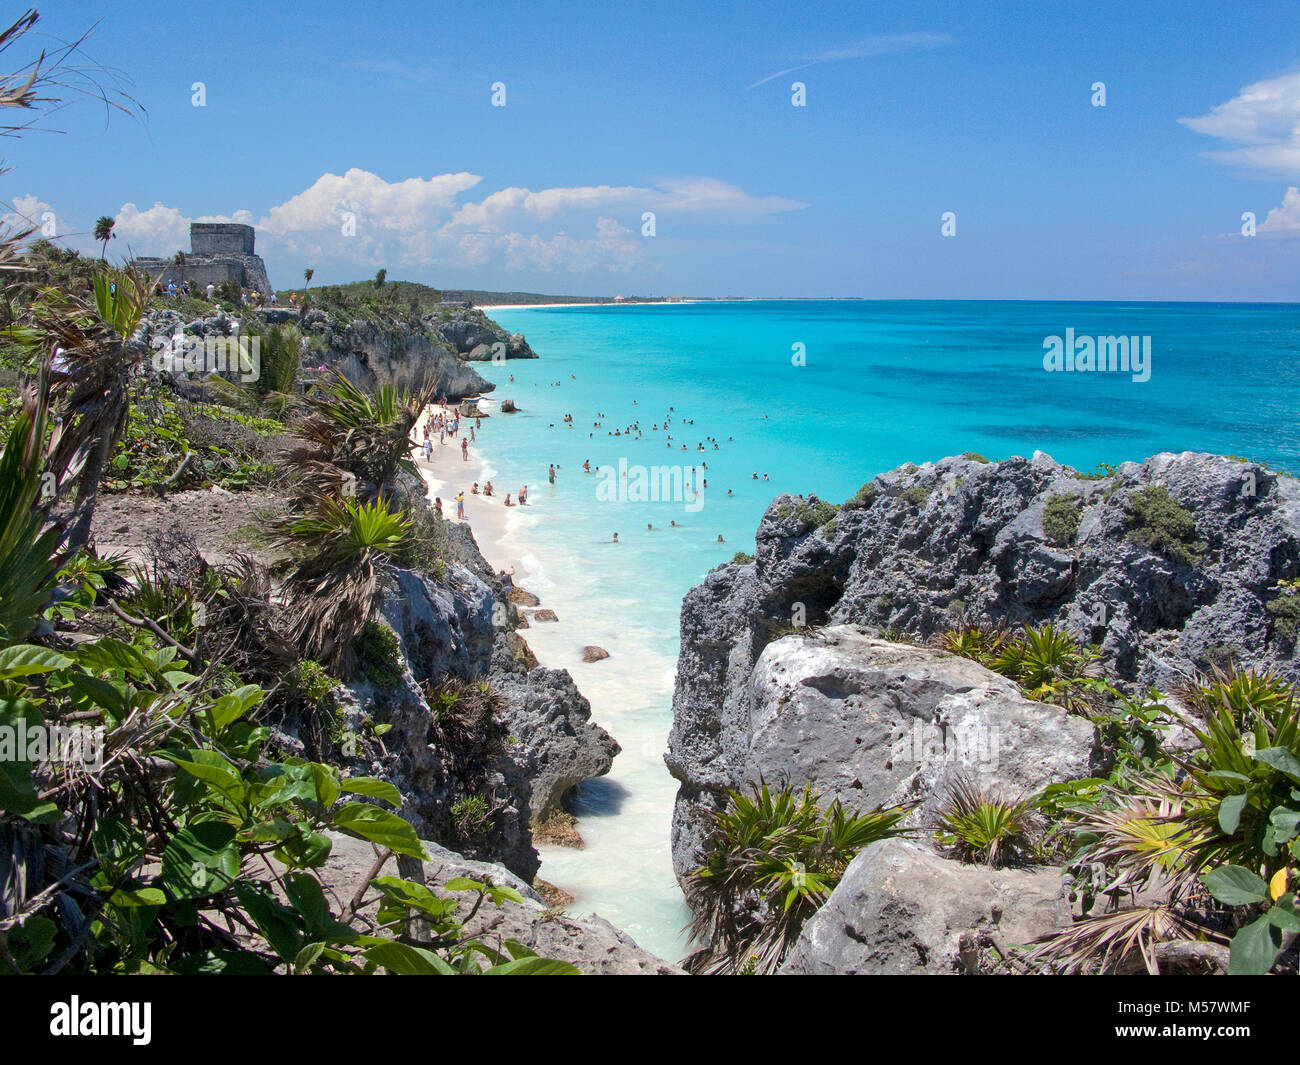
x: 1171, y: 566
x: 367, y: 352
x: 472, y: 335
x: 521, y: 758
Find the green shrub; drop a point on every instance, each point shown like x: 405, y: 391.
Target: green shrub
x: 312, y: 682
x: 981, y: 827
x: 742, y: 558
x: 862, y: 498
x: 1284, y: 610
x: 974, y: 456
x: 1158, y: 523
x: 774, y: 856
x: 916, y: 495
x: 1061, y: 514
x: 471, y: 814
x: 379, y: 654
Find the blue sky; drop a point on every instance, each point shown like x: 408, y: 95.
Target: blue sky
x: 384, y: 112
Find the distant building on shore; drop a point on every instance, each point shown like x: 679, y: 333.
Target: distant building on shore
x: 219, y: 251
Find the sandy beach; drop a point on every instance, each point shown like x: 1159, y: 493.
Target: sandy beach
x: 448, y: 473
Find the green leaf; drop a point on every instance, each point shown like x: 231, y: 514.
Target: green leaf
x: 17, y: 790
x: 375, y: 789
x: 200, y: 860
x: 23, y: 660
x: 305, y: 852
x: 231, y: 707
x: 533, y: 967
x: 307, y: 957
x: 1284, y: 916
x: 106, y: 695
x: 1230, y: 812
x: 1235, y: 886
x: 1255, y: 948
x: 213, y: 770
x: 402, y: 960
x: 32, y: 940
x: 277, y: 923
x: 1280, y: 759
x: 307, y: 897
x: 138, y: 897
x: 379, y: 826
x: 1285, y: 822
x: 325, y: 779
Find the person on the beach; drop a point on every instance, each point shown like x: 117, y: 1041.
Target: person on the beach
x: 586, y: 466
x: 474, y: 489
x: 460, y: 506
x: 464, y: 449
x: 487, y: 489
x: 428, y: 449
x: 523, y: 495
x: 437, y: 502
x: 508, y: 580
x: 616, y: 538
x: 550, y: 473
x: 508, y: 503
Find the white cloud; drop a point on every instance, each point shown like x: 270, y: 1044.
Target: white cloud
x: 359, y: 219
x: 157, y: 230
x: 883, y: 44
x: 1286, y: 217
x: 397, y: 205
x: 1263, y: 119
x: 31, y: 211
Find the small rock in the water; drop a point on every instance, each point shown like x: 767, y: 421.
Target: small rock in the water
x: 545, y: 615
x: 592, y: 653
x: 559, y: 828
x: 522, y: 598
x: 554, y: 897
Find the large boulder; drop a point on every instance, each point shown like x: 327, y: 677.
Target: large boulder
x: 902, y: 910
x: 872, y: 723
x: 868, y: 722
x: 558, y: 744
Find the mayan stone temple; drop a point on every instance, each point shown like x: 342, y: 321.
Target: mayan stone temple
x: 219, y: 251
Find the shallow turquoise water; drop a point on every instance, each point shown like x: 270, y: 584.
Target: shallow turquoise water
x: 884, y: 383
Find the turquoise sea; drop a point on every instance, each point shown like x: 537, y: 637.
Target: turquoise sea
x: 882, y: 383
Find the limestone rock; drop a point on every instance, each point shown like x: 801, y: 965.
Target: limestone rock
x: 901, y: 910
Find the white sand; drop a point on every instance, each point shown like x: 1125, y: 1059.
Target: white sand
x: 447, y: 473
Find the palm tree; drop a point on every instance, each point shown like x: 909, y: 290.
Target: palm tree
x: 104, y: 231
x: 307, y: 275
x: 380, y: 278
x: 96, y: 357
